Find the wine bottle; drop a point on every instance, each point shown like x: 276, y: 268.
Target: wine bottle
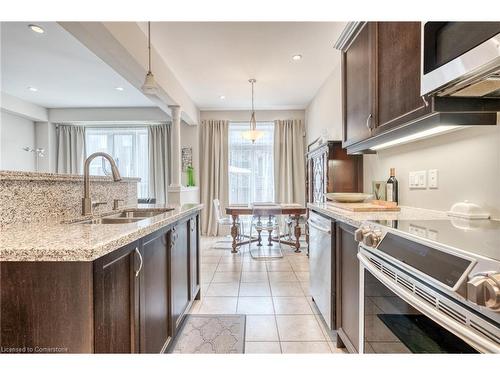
x: 392, y: 187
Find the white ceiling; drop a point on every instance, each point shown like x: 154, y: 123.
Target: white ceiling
x: 64, y: 71
x: 211, y: 59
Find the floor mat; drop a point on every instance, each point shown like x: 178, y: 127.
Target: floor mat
x: 211, y: 334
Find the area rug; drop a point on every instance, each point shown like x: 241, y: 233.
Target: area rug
x: 211, y: 334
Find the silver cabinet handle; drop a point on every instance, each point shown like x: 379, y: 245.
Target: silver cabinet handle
x: 140, y: 265
x: 368, y: 122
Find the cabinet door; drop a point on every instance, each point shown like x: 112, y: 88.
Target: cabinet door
x: 179, y: 280
x: 154, y: 276
x: 194, y: 259
x: 116, y: 301
x: 348, y: 287
x: 319, y: 177
x: 358, y: 84
x: 398, y: 97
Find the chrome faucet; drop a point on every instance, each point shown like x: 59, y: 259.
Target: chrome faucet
x: 86, y: 201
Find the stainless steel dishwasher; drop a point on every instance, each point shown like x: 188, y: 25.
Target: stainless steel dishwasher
x: 321, y: 264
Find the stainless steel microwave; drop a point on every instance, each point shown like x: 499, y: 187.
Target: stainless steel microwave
x: 461, y: 59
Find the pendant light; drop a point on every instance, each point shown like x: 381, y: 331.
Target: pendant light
x: 150, y: 86
x: 253, y: 134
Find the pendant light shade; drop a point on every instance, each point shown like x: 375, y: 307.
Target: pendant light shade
x: 150, y: 86
x: 253, y: 134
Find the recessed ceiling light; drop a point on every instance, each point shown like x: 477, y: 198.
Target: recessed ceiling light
x: 119, y: 88
x: 222, y: 97
x: 34, y: 89
x: 37, y: 29
x: 296, y: 57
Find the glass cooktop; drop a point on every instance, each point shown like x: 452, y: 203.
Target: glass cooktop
x: 476, y: 237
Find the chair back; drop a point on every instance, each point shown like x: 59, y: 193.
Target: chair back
x: 217, y: 210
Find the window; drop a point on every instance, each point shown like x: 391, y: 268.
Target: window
x: 251, y: 175
x: 129, y: 148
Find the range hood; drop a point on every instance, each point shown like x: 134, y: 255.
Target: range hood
x: 433, y: 124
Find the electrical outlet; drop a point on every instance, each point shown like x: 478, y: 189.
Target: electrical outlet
x: 433, y: 178
x: 418, y: 180
x: 417, y: 231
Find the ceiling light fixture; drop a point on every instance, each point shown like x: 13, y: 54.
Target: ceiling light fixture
x: 150, y: 86
x: 413, y: 137
x: 33, y: 89
x: 296, y: 57
x: 119, y: 88
x: 37, y: 29
x: 253, y: 134
x: 222, y: 97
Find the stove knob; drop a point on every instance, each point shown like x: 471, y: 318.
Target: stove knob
x: 485, y: 291
x: 371, y: 239
x: 360, y: 233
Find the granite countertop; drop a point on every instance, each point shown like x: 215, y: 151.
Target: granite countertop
x: 356, y: 218
x: 42, y: 176
x: 78, y: 242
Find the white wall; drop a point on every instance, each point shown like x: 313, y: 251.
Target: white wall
x: 22, y: 108
x: 468, y: 161
x: 259, y: 115
x: 45, y: 137
x: 16, y: 132
x: 59, y: 115
x: 324, y: 112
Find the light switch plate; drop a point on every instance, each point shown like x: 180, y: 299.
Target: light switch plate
x: 433, y: 178
x: 418, y: 180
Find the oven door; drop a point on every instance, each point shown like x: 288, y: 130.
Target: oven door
x: 394, y: 320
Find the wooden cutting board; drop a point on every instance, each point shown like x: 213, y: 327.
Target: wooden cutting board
x: 375, y: 206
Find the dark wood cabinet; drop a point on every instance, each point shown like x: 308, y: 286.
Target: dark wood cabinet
x: 46, y: 307
x: 131, y: 300
x: 358, y: 86
x: 155, y: 294
x: 194, y: 259
x: 330, y: 169
x: 397, y: 80
x: 116, y: 301
x: 347, y: 312
x: 381, y: 69
x: 179, y: 256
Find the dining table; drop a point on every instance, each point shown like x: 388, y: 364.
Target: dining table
x: 293, y: 210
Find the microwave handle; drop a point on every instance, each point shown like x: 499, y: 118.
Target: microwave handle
x: 466, y: 334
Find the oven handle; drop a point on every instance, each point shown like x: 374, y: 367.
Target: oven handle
x: 314, y: 225
x: 482, y: 344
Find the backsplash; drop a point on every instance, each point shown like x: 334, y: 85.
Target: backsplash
x: 468, y: 164
x: 29, y: 197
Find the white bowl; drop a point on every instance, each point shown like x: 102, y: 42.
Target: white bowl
x: 348, y: 197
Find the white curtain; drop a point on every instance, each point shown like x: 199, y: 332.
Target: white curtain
x: 289, y: 161
x: 159, y: 161
x: 214, y: 166
x: 70, y: 149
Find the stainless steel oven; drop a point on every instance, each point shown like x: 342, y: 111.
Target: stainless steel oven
x: 410, y: 299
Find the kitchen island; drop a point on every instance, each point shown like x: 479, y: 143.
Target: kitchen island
x: 74, y: 287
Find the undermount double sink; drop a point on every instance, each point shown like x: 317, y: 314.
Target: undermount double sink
x: 125, y: 216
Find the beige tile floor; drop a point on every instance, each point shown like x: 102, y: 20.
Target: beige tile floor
x: 274, y: 296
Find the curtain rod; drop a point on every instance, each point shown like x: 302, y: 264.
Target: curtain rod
x: 113, y: 124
